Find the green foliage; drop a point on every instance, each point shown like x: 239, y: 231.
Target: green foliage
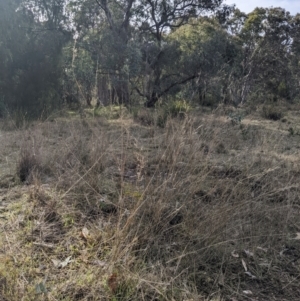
x: 197, y: 41
x: 124, y: 290
x: 282, y: 90
x: 173, y: 109
x: 147, y: 50
x: 108, y: 112
x: 30, y: 71
x: 178, y: 108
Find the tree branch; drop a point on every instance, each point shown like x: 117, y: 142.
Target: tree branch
x: 176, y: 84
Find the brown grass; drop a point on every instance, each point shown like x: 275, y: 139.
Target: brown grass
x: 202, y: 209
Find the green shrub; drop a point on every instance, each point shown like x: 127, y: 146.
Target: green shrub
x: 174, y: 109
x: 162, y: 118
x: 178, y: 108
x: 283, y: 90
x: 108, y: 112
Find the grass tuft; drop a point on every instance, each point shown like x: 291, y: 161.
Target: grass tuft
x: 116, y: 210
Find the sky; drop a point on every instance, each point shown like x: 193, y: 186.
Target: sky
x: 293, y: 6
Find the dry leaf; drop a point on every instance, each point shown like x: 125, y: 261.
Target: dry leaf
x: 297, y: 236
x: 65, y: 262
x: 247, y: 292
x: 244, y: 265
x: 265, y: 264
x: 250, y: 275
x: 85, y: 233
x: 221, y: 279
x: 235, y: 255
x: 84, y: 255
x: 61, y: 264
x: 282, y: 252
x: 100, y: 263
x: 56, y: 262
x: 112, y: 282
x: 249, y: 253
x: 262, y: 249
x: 41, y: 244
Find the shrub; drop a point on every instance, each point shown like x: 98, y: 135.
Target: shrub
x: 27, y: 164
x: 144, y: 116
x: 272, y: 113
x: 291, y: 131
x: 220, y: 148
x: 162, y: 118
x: 108, y: 112
x: 177, y: 108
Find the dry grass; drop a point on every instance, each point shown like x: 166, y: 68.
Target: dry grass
x: 202, y: 209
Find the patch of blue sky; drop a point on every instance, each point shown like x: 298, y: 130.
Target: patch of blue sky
x: 293, y: 6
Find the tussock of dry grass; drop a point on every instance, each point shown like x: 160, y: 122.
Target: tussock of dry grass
x: 199, y: 210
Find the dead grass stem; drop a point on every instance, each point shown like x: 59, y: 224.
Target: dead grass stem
x: 199, y: 210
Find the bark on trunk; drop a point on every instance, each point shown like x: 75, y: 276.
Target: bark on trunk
x: 150, y: 103
x: 103, y: 91
x: 122, y: 92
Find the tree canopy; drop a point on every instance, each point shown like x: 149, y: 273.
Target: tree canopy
x: 128, y: 51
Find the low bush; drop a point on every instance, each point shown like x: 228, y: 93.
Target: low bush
x: 144, y: 116
x: 173, y: 109
x: 27, y: 165
x: 178, y: 108
x: 272, y: 112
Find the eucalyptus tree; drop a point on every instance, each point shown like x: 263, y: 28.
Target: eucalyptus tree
x: 295, y: 56
x: 104, y: 33
x: 155, y: 20
x: 12, y: 38
x: 266, y: 38
x: 31, y: 51
x: 200, y: 55
x: 132, y: 40
x: 147, y: 23
x: 269, y: 32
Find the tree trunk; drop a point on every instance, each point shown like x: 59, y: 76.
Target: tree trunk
x: 122, y: 92
x: 89, y: 98
x: 154, y: 95
x: 103, y: 91
x: 151, y: 101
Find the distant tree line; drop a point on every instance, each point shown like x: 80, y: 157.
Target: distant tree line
x: 140, y: 52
